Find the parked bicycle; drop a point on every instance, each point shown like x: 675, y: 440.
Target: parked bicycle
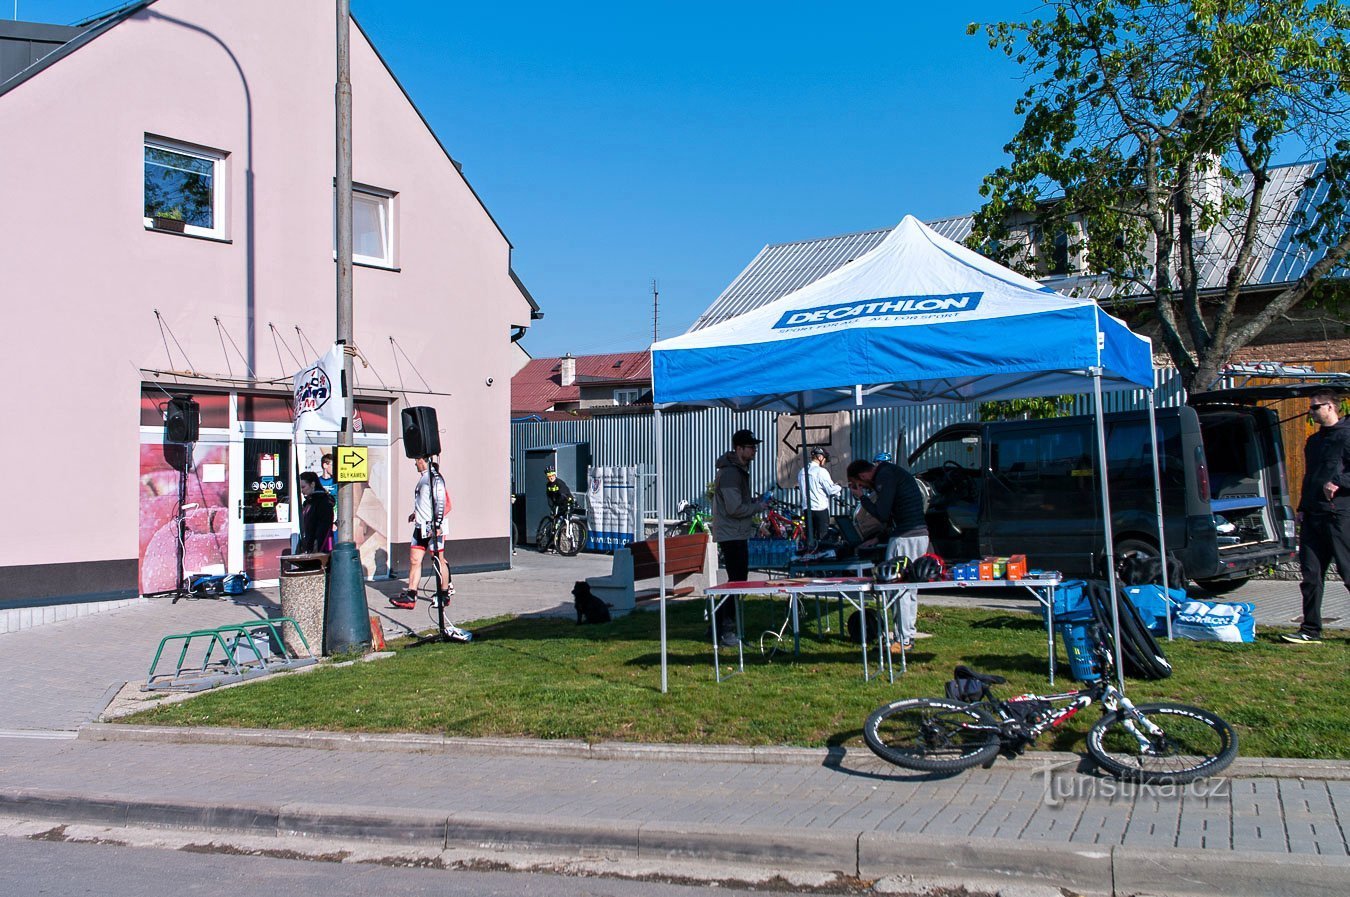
x: 693, y: 519
x: 1156, y: 743
x: 563, y: 531
x: 782, y: 521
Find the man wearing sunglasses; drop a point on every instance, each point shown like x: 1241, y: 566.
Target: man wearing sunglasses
x: 1324, y: 511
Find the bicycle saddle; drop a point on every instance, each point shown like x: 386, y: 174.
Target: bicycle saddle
x: 965, y: 672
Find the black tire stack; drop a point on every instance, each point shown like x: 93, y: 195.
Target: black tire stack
x: 1141, y: 653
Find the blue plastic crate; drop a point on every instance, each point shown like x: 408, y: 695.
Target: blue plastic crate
x: 1078, y: 646
x: 1071, y: 601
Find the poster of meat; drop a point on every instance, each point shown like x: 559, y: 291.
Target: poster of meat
x: 206, y: 517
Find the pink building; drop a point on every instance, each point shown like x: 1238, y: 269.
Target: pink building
x: 216, y: 122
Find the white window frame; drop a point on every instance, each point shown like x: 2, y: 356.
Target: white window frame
x: 386, y: 200
x: 631, y: 394
x: 218, y: 184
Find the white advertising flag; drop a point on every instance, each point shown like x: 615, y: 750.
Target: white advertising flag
x: 319, y: 393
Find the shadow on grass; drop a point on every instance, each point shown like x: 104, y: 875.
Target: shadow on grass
x: 1021, y: 663
x: 1021, y: 623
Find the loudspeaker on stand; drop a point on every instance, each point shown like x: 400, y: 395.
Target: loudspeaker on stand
x: 421, y: 434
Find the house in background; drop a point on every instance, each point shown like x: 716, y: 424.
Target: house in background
x: 582, y: 385
x: 174, y: 164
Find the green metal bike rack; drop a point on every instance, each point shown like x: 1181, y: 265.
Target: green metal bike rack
x: 230, y: 667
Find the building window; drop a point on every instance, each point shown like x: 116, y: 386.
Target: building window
x: 372, y: 226
x: 626, y: 396
x: 184, y: 184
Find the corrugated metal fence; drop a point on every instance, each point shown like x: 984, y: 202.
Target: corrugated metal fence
x: 694, y: 439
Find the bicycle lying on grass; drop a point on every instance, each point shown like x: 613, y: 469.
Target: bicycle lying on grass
x: 1164, y: 744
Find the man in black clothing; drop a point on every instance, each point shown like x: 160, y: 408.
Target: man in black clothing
x: 316, y: 514
x: 898, y: 504
x: 559, y: 496
x: 1324, y: 511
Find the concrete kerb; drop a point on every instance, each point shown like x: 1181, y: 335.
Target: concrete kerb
x: 868, y: 856
x: 1243, y: 767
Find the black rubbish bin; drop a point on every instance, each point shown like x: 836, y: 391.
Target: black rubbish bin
x: 303, y: 586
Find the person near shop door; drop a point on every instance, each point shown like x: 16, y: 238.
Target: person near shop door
x: 316, y: 515
x: 431, y: 526
x: 733, y: 522
x: 1324, y: 512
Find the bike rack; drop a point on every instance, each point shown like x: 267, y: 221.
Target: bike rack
x: 230, y: 667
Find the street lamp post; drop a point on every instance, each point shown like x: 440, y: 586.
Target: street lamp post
x: 346, y: 621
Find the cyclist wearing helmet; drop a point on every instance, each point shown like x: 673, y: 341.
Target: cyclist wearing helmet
x: 559, y: 496
x: 818, y: 487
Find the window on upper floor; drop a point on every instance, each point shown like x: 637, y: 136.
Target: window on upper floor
x: 626, y: 396
x: 372, y: 226
x: 184, y: 188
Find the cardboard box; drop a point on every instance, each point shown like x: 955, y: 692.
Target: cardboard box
x: 968, y: 572
x: 987, y: 568
x: 1017, y: 567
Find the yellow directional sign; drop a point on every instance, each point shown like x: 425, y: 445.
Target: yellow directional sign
x: 352, y: 466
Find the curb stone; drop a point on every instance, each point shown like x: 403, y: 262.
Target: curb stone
x: 1243, y: 767
x: 894, y: 857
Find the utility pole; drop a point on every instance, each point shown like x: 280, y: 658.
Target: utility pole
x: 347, y: 621
x: 655, y: 306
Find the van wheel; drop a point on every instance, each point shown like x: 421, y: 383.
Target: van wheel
x: 1223, y: 586
x: 1134, y: 548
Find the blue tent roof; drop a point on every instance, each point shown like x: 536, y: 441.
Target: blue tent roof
x: 917, y: 319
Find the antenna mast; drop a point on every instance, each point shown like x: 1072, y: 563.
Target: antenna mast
x: 655, y: 307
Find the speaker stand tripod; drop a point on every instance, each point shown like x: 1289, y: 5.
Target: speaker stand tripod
x: 442, y: 598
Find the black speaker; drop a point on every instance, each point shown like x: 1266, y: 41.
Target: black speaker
x: 421, y: 435
x: 182, y: 419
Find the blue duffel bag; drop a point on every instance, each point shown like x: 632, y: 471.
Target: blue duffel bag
x: 1154, y: 606
x: 1210, y: 621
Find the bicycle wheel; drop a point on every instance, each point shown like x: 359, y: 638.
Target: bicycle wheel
x: 1180, y: 744
x: 543, y: 539
x: 570, y: 536
x: 932, y: 735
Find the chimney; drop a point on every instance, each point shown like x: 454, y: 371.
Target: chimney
x: 567, y: 368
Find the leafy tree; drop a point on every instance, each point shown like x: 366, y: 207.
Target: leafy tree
x: 1034, y: 408
x: 1153, y: 125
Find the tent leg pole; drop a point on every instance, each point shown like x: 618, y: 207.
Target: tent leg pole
x: 806, y: 477
x: 658, y: 437
x: 1158, y: 504
x: 1104, y: 479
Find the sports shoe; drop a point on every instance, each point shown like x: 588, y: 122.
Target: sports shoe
x: 1302, y: 638
x: 455, y: 634
x: 729, y: 640
x: 898, y: 647
x: 405, y: 600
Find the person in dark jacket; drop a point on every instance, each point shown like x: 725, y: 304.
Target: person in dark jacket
x: 733, y: 521
x: 559, y: 496
x: 898, y: 503
x: 1324, y: 511
x: 316, y: 514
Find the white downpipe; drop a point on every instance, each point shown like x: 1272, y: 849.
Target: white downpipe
x: 1158, y: 503
x: 659, y: 437
x: 1106, y: 525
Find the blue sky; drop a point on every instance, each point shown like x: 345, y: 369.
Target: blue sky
x: 619, y: 143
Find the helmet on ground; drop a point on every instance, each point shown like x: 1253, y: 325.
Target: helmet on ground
x: 893, y: 570
x: 926, y: 568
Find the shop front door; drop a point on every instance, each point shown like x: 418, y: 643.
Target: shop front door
x: 264, y: 486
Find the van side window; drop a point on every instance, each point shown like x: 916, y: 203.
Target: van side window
x: 1041, y: 474
x: 1132, y: 464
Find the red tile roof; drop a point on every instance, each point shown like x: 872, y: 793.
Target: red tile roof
x: 538, y: 385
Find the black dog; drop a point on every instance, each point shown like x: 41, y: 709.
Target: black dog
x: 590, y: 609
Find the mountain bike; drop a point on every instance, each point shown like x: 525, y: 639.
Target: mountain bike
x: 693, y: 519
x: 782, y: 521
x: 564, y: 531
x: 1157, y: 743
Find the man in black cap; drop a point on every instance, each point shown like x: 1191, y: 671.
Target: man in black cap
x: 733, y: 512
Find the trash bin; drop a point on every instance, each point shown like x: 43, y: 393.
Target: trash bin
x: 304, y: 579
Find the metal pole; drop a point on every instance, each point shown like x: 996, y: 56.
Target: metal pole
x: 658, y: 437
x: 347, y: 619
x: 1104, y: 480
x: 1155, y: 438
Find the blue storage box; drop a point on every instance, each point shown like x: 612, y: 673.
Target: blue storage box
x: 967, y: 572
x: 1071, y: 601
x: 1153, y: 606
x: 1077, y: 645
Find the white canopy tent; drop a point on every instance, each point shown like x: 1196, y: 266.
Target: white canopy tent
x: 918, y: 319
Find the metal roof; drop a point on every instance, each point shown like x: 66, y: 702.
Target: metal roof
x: 781, y: 268
x: 538, y: 385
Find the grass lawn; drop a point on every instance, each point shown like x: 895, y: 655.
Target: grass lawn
x: 549, y: 678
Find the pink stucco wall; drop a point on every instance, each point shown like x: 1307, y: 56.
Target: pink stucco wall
x: 80, y: 276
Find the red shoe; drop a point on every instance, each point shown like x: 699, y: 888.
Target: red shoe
x: 405, y: 600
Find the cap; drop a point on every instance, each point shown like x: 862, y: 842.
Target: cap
x: 820, y: 452
x: 744, y: 437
